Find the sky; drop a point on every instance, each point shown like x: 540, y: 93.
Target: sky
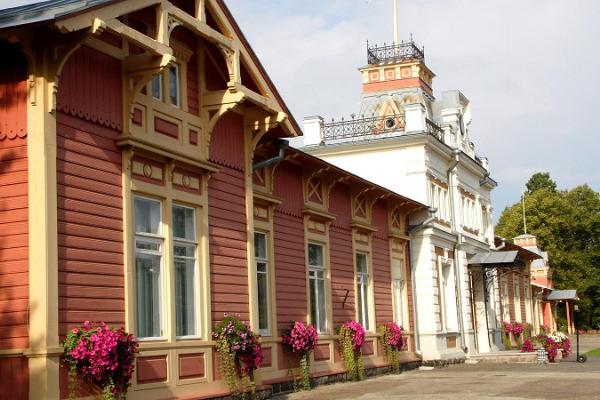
x: 531, y: 69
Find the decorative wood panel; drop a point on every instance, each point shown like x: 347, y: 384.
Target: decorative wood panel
x: 227, y: 142
x: 321, y: 352
x: 191, y: 366
x: 90, y: 88
x: 151, y: 369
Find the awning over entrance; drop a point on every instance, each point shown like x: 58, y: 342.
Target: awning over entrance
x: 558, y: 295
x: 497, y: 259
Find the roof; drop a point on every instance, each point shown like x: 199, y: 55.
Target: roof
x: 570, y: 294
x: 44, y: 11
x: 494, y: 258
x: 524, y: 236
x: 354, y: 179
x: 540, y: 286
x: 53, y: 9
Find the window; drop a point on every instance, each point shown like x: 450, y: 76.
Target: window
x: 316, y: 276
x: 398, y: 290
x: 448, y: 294
x: 148, y: 266
x: 362, y: 289
x: 505, y: 310
x: 186, y: 271
x: 157, y: 87
x: 517, y: 299
x: 174, y: 85
x: 262, y: 282
x: 173, y: 90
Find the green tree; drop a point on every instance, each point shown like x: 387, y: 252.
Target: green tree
x: 540, y: 180
x: 567, y: 226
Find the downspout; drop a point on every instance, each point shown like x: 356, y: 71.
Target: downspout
x: 412, y: 229
x: 459, y: 237
x: 282, y: 145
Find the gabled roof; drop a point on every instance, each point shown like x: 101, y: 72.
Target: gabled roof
x: 51, y: 10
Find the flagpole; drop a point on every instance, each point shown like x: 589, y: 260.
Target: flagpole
x: 396, y: 37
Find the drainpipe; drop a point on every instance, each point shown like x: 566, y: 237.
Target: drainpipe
x: 412, y: 229
x: 459, y: 238
x: 282, y: 145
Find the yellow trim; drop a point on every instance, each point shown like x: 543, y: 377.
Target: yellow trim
x: 43, y: 232
x: 169, y: 344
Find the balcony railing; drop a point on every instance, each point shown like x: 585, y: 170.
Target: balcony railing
x: 433, y: 129
x: 395, y: 53
x: 371, y: 126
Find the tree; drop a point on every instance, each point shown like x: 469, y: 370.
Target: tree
x: 540, y: 180
x: 567, y: 226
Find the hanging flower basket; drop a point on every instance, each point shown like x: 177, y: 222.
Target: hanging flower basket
x: 351, y: 339
x: 300, y: 339
x: 101, y: 355
x: 240, y: 354
x: 393, y: 341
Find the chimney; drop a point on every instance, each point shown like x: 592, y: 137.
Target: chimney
x: 313, y: 130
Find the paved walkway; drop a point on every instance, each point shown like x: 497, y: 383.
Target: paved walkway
x: 565, y: 380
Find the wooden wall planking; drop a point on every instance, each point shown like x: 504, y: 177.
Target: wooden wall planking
x: 90, y: 200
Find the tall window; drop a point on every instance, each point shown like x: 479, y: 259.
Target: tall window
x: 316, y: 276
x: 157, y: 87
x: 262, y: 282
x: 362, y: 289
x: 186, y: 271
x: 398, y: 291
x: 174, y: 85
x: 450, y: 311
x: 149, y: 242
x: 517, y: 299
x: 505, y: 310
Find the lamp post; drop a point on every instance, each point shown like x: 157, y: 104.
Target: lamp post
x: 581, y: 358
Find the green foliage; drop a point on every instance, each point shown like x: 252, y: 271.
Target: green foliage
x: 239, y: 353
x: 540, y: 180
x: 506, y: 338
x: 352, y: 358
x: 391, y: 352
x: 567, y: 226
x: 594, y: 353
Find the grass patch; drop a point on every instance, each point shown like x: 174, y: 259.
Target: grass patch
x: 594, y: 353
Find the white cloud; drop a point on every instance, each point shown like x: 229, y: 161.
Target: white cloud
x: 530, y: 69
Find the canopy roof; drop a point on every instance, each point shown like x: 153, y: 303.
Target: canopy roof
x: 496, y: 259
x: 556, y: 295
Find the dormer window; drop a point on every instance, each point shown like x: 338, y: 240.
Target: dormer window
x: 167, y: 82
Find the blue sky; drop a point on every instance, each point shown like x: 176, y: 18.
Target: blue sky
x: 531, y: 69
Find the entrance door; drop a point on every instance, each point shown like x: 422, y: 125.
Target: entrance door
x: 480, y: 316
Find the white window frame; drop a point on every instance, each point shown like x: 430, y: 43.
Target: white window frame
x: 363, y: 283
x: 517, y: 298
x: 177, y: 69
x: 313, y: 272
x: 265, y: 331
x: 158, y: 77
x: 158, y: 238
x: 398, y: 291
x: 196, y: 286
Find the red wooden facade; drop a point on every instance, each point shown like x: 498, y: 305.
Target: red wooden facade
x: 109, y: 150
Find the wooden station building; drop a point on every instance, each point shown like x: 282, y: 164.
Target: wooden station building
x: 145, y: 182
